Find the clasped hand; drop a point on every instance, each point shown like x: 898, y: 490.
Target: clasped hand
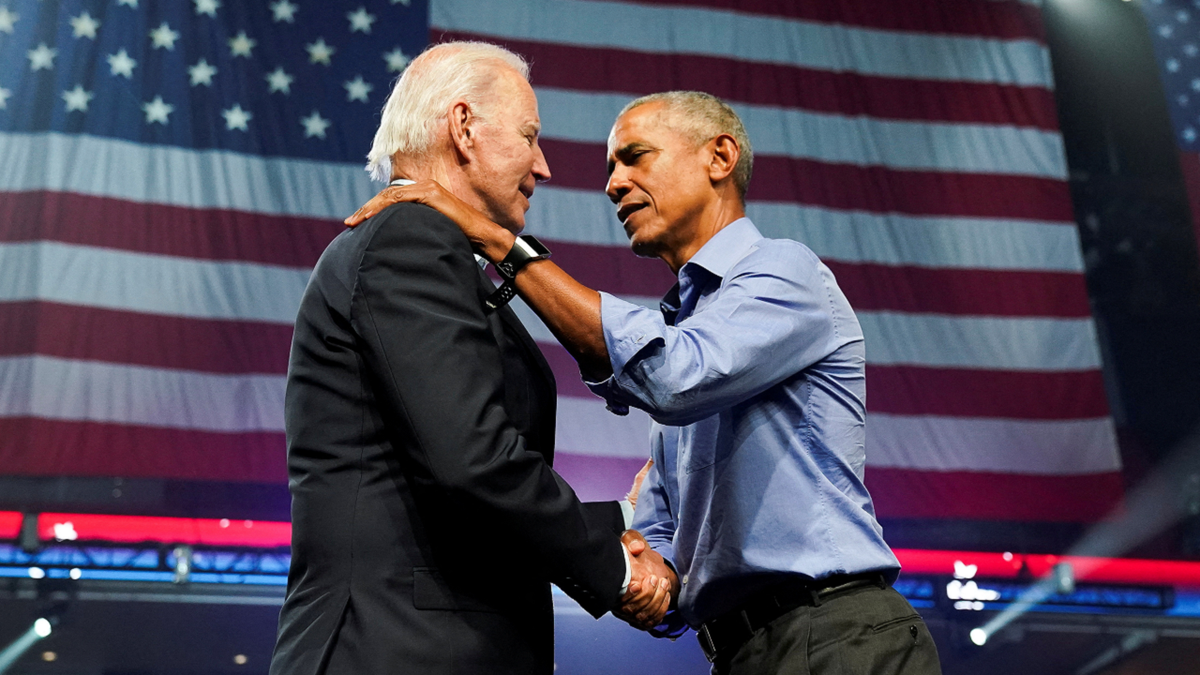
x: 653, y: 585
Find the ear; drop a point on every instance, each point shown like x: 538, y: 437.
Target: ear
x: 724, y: 157
x: 461, y: 122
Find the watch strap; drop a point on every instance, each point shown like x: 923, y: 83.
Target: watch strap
x: 501, y: 296
x: 525, y: 249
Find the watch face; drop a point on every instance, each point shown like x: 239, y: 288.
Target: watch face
x: 535, y: 248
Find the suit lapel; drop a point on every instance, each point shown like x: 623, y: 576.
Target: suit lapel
x: 517, y: 329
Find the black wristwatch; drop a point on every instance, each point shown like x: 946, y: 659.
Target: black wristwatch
x: 526, y: 248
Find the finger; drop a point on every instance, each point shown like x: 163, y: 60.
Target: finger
x: 651, y: 609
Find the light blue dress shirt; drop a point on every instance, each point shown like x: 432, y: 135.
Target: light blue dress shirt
x: 754, y: 375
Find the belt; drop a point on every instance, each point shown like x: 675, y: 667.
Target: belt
x: 733, y: 629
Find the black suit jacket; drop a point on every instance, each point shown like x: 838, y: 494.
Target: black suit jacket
x: 427, y: 521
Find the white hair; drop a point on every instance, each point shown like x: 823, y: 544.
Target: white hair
x: 441, y: 75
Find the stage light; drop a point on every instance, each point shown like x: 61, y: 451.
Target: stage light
x: 42, y: 627
x: 240, y: 659
x: 49, y: 656
x: 979, y: 637
x: 183, y: 564
x: 37, y: 573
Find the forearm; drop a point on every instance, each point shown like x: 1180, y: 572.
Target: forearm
x: 568, y: 308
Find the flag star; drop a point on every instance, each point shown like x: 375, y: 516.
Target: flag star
x: 128, y: 3
x: 1182, y: 99
x: 240, y: 45
x: 396, y: 60
x: 77, y: 98
x: 360, y: 20
x: 202, y: 73
x: 7, y: 20
x: 1189, y: 134
x: 84, y: 26
x: 1196, y: 84
x: 4, y: 94
x: 319, y: 52
x: 280, y: 81
x: 1173, y: 65
x: 314, y: 125
x: 1182, y: 16
x: 357, y: 89
x: 121, y: 64
x: 1191, y: 49
x: 283, y: 11
x: 157, y: 110
x: 208, y: 7
x: 236, y: 118
x: 1166, y: 30
x: 163, y: 37
x: 406, y: 3
x: 42, y: 57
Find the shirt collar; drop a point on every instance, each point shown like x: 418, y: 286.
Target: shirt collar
x: 480, y: 260
x: 726, y: 247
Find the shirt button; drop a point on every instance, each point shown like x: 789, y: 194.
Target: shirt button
x: 685, y: 578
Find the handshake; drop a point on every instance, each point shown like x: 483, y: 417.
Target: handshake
x: 653, y: 585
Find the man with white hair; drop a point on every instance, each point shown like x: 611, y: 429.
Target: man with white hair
x: 427, y: 521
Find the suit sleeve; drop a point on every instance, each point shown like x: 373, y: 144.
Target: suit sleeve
x: 418, y: 310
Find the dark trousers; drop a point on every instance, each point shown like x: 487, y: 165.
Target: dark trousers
x: 867, y: 631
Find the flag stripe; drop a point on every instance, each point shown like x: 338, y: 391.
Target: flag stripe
x: 750, y: 37
x: 1020, y: 344
x: 908, y: 493
x: 1003, y: 19
x: 587, y: 216
x: 153, y: 340
x: 848, y: 186
x: 68, y: 389
x: 199, y: 179
x: 566, y: 66
x: 586, y: 117
x: 138, y: 282
x: 932, y: 443
x: 960, y: 392
x: 146, y: 227
x: 935, y: 443
x: 92, y: 448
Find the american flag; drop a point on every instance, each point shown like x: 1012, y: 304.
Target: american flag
x: 173, y: 170
x: 1175, y: 30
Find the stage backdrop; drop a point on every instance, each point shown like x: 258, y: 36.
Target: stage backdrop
x: 171, y: 171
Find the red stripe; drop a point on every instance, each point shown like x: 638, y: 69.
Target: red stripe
x: 962, y: 291
x: 153, y: 340
x: 39, y: 447
x: 862, y: 188
x: 868, y: 286
x: 913, y: 390
x: 209, y: 234
x: 984, y: 18
x: 906, y: 493
x: 598, y: 69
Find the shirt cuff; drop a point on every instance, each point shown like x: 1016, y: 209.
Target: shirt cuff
x: 627, y: 512
x: 628, y: 572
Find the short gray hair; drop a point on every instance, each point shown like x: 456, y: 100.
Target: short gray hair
x: 442, y: 74
x: 702, y: 117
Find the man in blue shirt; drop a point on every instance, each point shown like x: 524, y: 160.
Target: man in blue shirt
x: 754, y: 374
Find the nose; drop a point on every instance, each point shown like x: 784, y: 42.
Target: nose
x: 541, y: 169
x: 618, y: 185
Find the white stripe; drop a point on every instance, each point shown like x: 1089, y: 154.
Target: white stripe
x: 66, y: 389
x: 586, y: 117
x: 588, y: 217
x: 746, y: 37
x: 932, y: 340
x: 1003, y: 343
x: 1040, y: 447
x: 927, y: 443
x: 156, y: 284
x: 586, y: 427
x: 180, y: 177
